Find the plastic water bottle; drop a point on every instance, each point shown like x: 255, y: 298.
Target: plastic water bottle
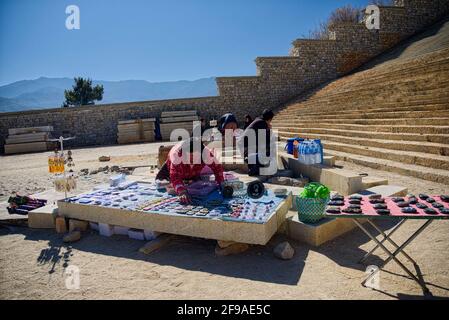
x: 308, y: 153
x: 301, y: 155
x: 316, y: 153
x: 319, y: 152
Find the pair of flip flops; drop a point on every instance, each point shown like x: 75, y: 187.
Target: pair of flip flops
x: 403, y: 204
x: 338, y: 203
x: 333, y: 210
x: 337, y: 197
x: 352, y: 210
x: 437, y: 205
x: 420, y: 205
x: 409, y: 210
x: 383, y: 212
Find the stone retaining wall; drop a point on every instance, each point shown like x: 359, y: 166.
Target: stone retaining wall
x: 278, y: 79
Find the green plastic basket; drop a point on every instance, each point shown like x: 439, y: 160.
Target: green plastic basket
x: 311, y: 210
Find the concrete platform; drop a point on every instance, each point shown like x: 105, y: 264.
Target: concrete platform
x: 342, y: 181
x: 251, y: 233
x: 43, y: 218
x: 329, y: 229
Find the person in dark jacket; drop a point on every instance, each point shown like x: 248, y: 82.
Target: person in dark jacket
x: 252, y: 155
x: 248, y: 121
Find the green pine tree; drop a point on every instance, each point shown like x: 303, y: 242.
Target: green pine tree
x: 83, y: 93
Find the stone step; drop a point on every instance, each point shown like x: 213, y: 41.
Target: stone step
x: 430, y: 82
x: 427, y: 82
x: 306, y: 132
x: 430, y: 174
x: 380, y: 101
x: 396, y: 74
x: 351, y: 111
x: 425, y: 130
x: 401, y: 145
x: 406, y: 157
x: 428, y: 87
x: 364, y: 115
x: 360, y: 121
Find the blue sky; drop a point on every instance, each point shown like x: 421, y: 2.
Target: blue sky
x: 154, y: 40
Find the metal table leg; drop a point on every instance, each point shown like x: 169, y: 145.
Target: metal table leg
x: 392, y: 256
x: 388, y: 237
x: 396, y: 227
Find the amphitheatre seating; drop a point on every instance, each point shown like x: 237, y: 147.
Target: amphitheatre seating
x: 393, y: 115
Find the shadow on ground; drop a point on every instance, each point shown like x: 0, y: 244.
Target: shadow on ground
x: 198, y: 255
x: 183, y: 252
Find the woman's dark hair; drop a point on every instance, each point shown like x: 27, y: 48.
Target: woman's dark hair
x: 248, y: 117
x: 226, y: 119
x: 267, y: 115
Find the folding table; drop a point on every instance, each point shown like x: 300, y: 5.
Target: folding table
x: 370, y: 215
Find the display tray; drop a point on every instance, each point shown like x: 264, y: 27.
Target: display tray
x: 395, y: 211
x: 142, y: 206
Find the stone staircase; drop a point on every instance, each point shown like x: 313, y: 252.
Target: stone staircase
x: 392, y: 116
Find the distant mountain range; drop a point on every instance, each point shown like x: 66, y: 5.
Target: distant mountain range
x: 45, y: 93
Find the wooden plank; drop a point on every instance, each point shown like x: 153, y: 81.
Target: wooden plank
x: 13, y: 131
x: 25, y: 147
x: 178, y: 113
x: 28, y: 137
x: 179, y: 119
x: 176, y: 125
x: 136, y: 121
x: 146, y: 126
x: 135, y: 139
x: 131, y: 132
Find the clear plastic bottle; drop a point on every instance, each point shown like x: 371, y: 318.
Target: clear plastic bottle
x: 61, y: 166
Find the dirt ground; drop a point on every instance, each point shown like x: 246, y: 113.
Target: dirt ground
x: 33, y: 262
